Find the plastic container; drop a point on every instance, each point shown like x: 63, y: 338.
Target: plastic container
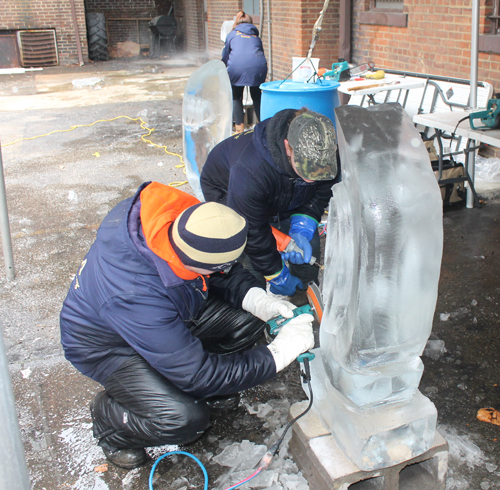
x: 321, y: 97
x: 306, y: 70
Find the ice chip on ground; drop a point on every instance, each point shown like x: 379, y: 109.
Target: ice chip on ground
x: 85, y: 82
x: 444, y: 317
x: 241, y: 456
x: 294, y: 482
x: 473, y: 302
x: 157, y: 451
x: 462, y: 449
x: 434, y: 349
x: 207, y: 110
x: 491, y: 467
x: 382, y: 264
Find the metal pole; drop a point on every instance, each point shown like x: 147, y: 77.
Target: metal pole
x: 4, y: 227
x: 13, y: 470
x: 474, y: 53
x: 77, y: 32
x: 473, y: 87
x: 270, y: 41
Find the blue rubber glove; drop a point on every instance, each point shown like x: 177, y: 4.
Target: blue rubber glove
x: 284, y: 283
x: 302, y: 230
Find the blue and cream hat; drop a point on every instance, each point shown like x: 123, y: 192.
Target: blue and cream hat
x: 209, y: 236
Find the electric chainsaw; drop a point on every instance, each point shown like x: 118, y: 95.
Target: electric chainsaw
x: 341, y: 72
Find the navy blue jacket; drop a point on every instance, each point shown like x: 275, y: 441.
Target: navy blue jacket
x: 241, y: 173
x: 244, y: 57
x: 125, y: 299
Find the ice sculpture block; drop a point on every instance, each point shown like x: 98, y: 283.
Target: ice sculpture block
x: 207, y: 112
x: 382, y: 264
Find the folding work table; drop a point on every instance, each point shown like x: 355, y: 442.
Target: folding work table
x: 448, y: 122
x: 386, y: 84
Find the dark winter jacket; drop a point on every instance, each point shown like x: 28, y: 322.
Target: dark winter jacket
x: 250, y: 173
x: 126, y: 299
x: 244, y: 57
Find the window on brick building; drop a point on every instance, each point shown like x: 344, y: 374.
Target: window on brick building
x: 251, y: 7
x: 490, y: 40
x: 388, y: 4
x: 384, y: 13
x: 494, y: 18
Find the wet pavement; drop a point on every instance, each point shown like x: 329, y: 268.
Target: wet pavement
x: 60, y: 186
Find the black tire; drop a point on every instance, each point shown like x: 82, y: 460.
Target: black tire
x: 97, y: 37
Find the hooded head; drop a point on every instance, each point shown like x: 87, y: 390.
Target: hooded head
x: 208, y: 236
x: 313, y: 140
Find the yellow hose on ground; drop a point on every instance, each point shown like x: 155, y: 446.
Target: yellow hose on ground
x: 143, y: 138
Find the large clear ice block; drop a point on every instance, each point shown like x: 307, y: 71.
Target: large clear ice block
x: 207, y: 112
x: 382, y: 264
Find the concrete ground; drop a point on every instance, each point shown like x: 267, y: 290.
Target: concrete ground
x: 60, y: 186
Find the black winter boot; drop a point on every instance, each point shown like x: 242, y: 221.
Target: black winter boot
x: 126, y: 458
x: 225, y: 402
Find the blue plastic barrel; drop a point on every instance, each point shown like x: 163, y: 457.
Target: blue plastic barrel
x: 321, y: 97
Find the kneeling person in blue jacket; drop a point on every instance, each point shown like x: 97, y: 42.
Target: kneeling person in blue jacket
x: 280, y: 173
x: 164, y: 318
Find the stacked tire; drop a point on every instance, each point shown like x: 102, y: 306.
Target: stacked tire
x: 97, y: 37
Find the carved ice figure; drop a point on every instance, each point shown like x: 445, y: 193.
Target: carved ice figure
x: 382, y: 263
x: 207, y: 110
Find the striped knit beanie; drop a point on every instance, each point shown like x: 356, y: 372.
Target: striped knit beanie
x: 209, y: 236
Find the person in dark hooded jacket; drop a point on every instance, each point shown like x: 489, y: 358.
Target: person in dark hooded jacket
x: 280, y: 173
x: 246, y: 63
x: 161, y: 315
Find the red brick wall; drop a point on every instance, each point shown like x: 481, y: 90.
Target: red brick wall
x: 437, y: 40
x: 123, y: 6
x: 194, y: 27
x: 291, y: 31
x: 137, y: 30
x: 51, y: 14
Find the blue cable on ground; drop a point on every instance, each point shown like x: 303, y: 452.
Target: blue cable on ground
x: 200, y: 464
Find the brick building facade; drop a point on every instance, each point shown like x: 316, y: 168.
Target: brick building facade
x: 430, y: 37
x: 436, y: 39
x: 291, y: 31
x: 52, y: 15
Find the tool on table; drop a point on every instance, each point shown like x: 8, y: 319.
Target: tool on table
x: 341, y: 72
x: 287, y: 244
x: 490, y: 117
x: 363, y: 87
x: 376, y: 75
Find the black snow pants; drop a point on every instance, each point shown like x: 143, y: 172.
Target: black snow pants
x: 141, y: 408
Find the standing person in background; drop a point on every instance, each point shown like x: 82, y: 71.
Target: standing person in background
x: 246, y: 63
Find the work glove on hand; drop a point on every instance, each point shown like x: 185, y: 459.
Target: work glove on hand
x: 293, y: 339
x: 264, y: 306
x: 284, y: 283
x: 302, y: 230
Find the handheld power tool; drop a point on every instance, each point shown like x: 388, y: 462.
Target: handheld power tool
x: 315, y: 308
x: 287, y: 244
x: 341, y: 72
x: 490, y: 117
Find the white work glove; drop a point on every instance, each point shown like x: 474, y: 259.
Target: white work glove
x: 265, y: 306
x: 293, y: 339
